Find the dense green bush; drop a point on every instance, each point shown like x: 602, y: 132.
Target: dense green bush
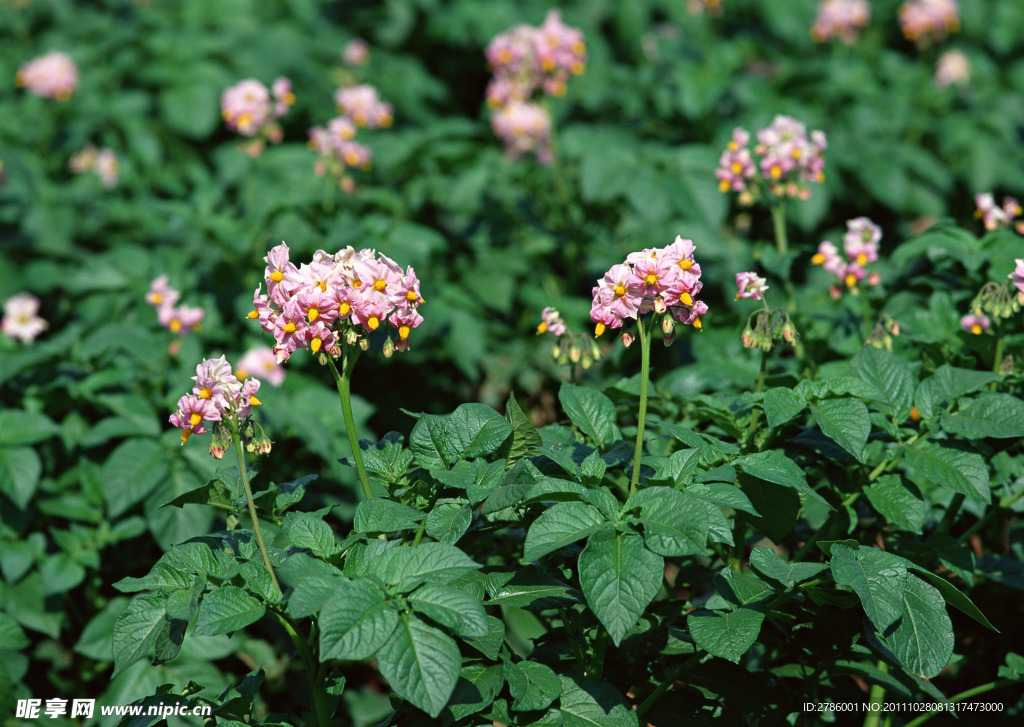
x: 792, y: 525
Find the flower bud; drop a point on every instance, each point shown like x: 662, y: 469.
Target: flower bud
x: 575, y: 353
x: 364, y: 344
x: 659, y: 305
x: 668, y: 326
x: 389, y: 348
x: 627, y: 339
x: 586, y: 362
x: 351, y: 336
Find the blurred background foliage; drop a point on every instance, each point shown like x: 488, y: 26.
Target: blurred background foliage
x: 86, y: 455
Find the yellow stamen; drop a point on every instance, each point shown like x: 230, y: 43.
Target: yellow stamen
x: 776, y: 172
x: 733, y: 146
x: 686, y: 264
x: 379, y: 285
x: 185, y: 434
x: 313, y: 314
x: 241, y: 374
x: 651, y: 278
x: 862, y: 259
x: 356, y: 283
x: 411, y: 295
x: 723, y: 186
x: 206, y: 393
x: 542, y: 327
x: 195, y: 418
x: 254, y: 314
x: 254, y: 401
x: 373, y: 323
x: 818, y: 259
x: 344, y: 309
x: 599, y: 329
x: 736, y: 168
x: 277, y: 276
x: 315, y: 344
x: 685, y: 298
x: 323, y: 286
x: 796, y: 153
x: 403, y: 332
x: 288, y: 327
x: 620, y: 291
x: 697, y: 324
x: 976, y: 329
x: 157, y: 298
x: 851, y: 280
x: 175, y: 325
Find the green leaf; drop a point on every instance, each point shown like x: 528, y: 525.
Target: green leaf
x: 385, y: 516
x: 775, y: 466
x: 725, y: 634
x: 491, y: 644
x: 449, y: 521
x: 560, y: 525
x: 778, y: 507
x: 19, y: 427
x: 889, y: 374
x: 767, y: 562
x: 898, y: 501
x: 421, y: 663
x: 458, y: 610
x: 1000, y: 416
x: 948, y: 384
x: 227, y: 609
x: 406, y: 568
x: 923, y: 637
x: 20, y: 468
x: 878, y: 578
x: 476, y: 688
x: 953, y: 596
x: 429, y: 442
x: 312, y: 593
x: 474, y: 430
x: 830, y: 386
x: 131, y: 472
x: 136, y: 630
x: 781, y: 405
x: 12, y: 638
x: 161, y: 577
x: 619, y: 578
x: 529, y: 588
x: 525, y: 438
x: 675, y: 522
x: 592, y: 704
x: 305, y: 530
x: 926, y: 463
x: 844, y: 421
x: 533, y: 685
x: 721, y: 493
x: 356, y: 622
x: 214, y: 493
x: 591, y: 411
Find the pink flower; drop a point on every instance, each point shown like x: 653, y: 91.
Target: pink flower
x: 523, y: 128
x: 363, y: 105
x: 551, y: 322
x: 192, y: 412
x: 1017, y: 276
x: 994, y: 216
x: 952, y: 69
x: 860, y: 243
x: 786, y: 155
x: 924, y: 20
x: 252, y: 110
x: 828, y: 257
x: 217, y: 395
x: 283, y: 96
x: 750, y: 285
x: 53, y: 75
x: 840, y: 19
x: 975, y: 324
x: 21, y: 319
x: 180, y: 319
x: 161, y: 294
x: 356, y: 52
x: 260, y: 362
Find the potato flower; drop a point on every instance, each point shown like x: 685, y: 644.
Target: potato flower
x: 53, y: 75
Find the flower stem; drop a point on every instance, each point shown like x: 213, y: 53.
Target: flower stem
x: 876, y: 696
x: 342, y: 380
x: 309, y: 660
x: 998, y: 358
x: 752, y: 430
x: 645, y: 366
x: 236, y: 440
x: 779, y: 226
x: 597, y: 660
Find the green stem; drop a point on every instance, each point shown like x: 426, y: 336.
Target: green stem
x: 779, y: 226
x: 645, y: 367
x: 236, y: 440
x: 752, y: 429
x: 342, y: 379
x: 323, y: 717
x: 597, y: 660
x: 574, y: 639
x: 998, y: 358
x: 865, y: 315
x: 961, y: 697
x: 877, y: 696
x: 1003, y: 504
x: 951, y: 512
x: 666, y: 684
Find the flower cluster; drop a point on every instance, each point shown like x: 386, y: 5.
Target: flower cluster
x: 860, y: 245
x: 923, y: 20
x: 996, y: 301
x: 333, y: 298
x: 53, y: 75
x: 218, y: 397
x: 361, y: 106
x: 782, y: 163
x: 21, y: 318
x: 762, y: 328
x: 976, y: 324
x: 101, y: 161
x: 356, y: 53
x: 527, y: 60
x: 952, y: 69
x: 995, y: 216
x: 263, y: 362
x: 178, y: 319
x: 252, y: 110
x: 751, y: 285
x: 571, y: 347
x: 840, y: 19
x: 662, y: 280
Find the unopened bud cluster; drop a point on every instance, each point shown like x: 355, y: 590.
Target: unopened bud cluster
x: 884, y: 331
x: 571, y: 347
x: 996, y: 301
x: 336, y: 299
x: 764, y: 327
